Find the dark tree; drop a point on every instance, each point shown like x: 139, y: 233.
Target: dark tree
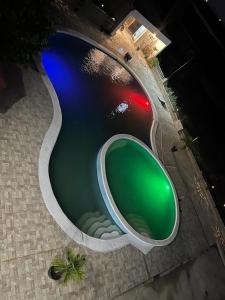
x: 24, y: 28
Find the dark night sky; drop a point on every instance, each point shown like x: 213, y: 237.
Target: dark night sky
x: 196, y: 32
x: 218, y: 6
x: 194, y: 28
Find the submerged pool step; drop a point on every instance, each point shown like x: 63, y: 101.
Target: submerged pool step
x: 98, y: 225
x: 94, y: 226
x: 110, y: 235
x: 85, y: 217
x: 100, y: 221
x: 110, y: 230
x: 139, y: 224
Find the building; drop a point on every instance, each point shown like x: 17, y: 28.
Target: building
x: 121, y: 17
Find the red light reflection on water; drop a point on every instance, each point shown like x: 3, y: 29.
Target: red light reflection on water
x: 135, y: 98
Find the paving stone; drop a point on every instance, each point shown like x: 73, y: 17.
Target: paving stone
x: 30, y: 237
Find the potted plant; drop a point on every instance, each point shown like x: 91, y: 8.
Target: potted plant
x: 71, y: 268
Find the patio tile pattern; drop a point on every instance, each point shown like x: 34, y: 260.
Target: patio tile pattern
x: 30, y: 238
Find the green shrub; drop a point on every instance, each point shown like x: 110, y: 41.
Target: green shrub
x: 153, y: 62
x: 171, y: 94
x: 188, y: 141
x: 71, y: 268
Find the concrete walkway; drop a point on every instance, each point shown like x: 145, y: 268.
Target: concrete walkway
x: 200, y: 279
x: 30, y: 238
x: 195, y: 234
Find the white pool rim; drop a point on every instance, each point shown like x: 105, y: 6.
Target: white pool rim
x: 110, y: 203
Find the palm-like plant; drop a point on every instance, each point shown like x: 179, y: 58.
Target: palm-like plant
x: 71, y: 268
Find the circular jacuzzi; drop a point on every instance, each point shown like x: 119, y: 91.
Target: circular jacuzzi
x: 137, y: 190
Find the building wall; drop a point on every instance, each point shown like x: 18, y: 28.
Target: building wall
x: 147, y: 43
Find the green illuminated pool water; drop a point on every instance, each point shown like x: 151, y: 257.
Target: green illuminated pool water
x: 141, y: 189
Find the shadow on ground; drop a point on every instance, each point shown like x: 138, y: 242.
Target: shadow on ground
x: 11, y: 86
x: 203, y: 278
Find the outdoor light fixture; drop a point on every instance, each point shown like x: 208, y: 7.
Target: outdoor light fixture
x: 196, y: 138
x: 102, y: 5
x: 219, y: 20
x: 113, y: 19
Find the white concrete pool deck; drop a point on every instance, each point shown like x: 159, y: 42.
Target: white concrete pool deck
x: 30, y: 238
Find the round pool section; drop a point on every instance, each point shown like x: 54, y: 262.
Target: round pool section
x: 137, y: 190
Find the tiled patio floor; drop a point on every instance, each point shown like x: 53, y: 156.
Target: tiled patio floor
x: 30, y: 238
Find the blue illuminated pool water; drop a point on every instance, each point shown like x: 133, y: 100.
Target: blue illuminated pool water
x: 95, y: 105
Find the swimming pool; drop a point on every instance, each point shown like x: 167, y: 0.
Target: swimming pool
x: 94, y: 98
x: 136, y: 189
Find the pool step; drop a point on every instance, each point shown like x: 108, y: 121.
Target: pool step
x: 110, y: 235
x: 85, y: 217
x: 98, y: 225
x: 99, y: 221
x: 110, y: 230
x: 139, y: 224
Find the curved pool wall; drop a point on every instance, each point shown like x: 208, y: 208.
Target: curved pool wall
x: 45, y: 154
x: 137, y: 190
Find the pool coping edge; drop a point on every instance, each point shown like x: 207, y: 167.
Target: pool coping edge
x: 111, y: 205
x: 48, y: 144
